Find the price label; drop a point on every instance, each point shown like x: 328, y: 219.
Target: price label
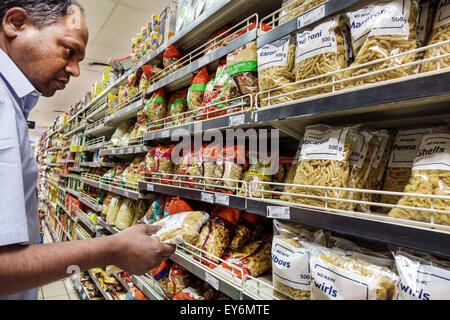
x: 311, y: 16
x: 213, y: 281
x: 150, y: 187
x: 222, y: 199
x: 203, y: 61
x: 237, y: 120
x: 126, y: 194
x: 207, y: 197
x: 279, y: 212
x: 130, y: 150
x: 165, y: 134
x: 121, y: 151
x: 137, y: 149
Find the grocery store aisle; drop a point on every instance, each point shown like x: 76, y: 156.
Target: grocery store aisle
x: 60, y: 290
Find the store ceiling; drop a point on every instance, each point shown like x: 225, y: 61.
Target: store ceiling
x: 112, y: 24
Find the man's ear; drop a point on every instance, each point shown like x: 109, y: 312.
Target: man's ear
x: 15, y: 21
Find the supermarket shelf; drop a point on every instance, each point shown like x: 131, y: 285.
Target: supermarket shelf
x: 81, y: 290
x: 305, y: 20
x: 77, y: 129
x: 86, y: 221
x: 97, y: 112
x: 218, y: 198
x: 125, y: 113
x: 74, y: 169
x: 141, y: 283
x: 54, y: 164
x: 52, y: 232
x: 86, y: 107
x: 94, y: 145
x: 90, y: 182
x: 64, y: 175
x: 67, y: 161
x: 97, y: 164
x: 106, y: 226
x: 105, y: 294
x: 135, y: 195
x: 100, y: 129
x: 72, y: 192
x: 89, y: 202
x: 124, y: 150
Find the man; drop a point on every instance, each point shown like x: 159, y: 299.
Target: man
x: 41, y: 45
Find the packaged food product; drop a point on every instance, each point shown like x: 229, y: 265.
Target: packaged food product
x: 294, y: 8
x: 106, y: 204
x: 154, y: 213
x: 217, y: 39
x: 178, y: 108
x: 171, y: 59
x: 401, y: 159
x: 291, y: 175
x: 335, y: 276
x: 139, y: 212
x: 167, y: 23
x: 185, y: 15
x: 234, y: 163
x: 119, y: 133
x: 179, y: 279
x: 421, y: 279
x: 324, y: 162
x: 125, y: 214
x: 440, y: 33
x: 114, y: 208
x: 191, y: 166
x: 196, y: 92
x: 199, y: 290
x: 181, y: 227
x: 157, y: 109
x: 155, y: 23
x: 242, y: 233
x: 243, y: 68
x: 213, y: 165
x: 163, y: 164
x: 261, y: 171
x: 276, y: 68
x: 382, y: 30
x: 425, y: 20
x: 176, y: 205
x: 430, y: 176
x: 150, y: 163
x: 319, y: 51
x: 147, y: 74
x: 253, y: 259
x: 161, y: 274
x: 202, y: 6
x: 216, y: 234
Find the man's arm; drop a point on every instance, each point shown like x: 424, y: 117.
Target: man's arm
x: 27, y: 267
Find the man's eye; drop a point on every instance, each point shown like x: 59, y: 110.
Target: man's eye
x: 70, y: 52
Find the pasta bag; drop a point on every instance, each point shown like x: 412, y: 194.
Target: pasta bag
x: 324, y: 162
x: 179, y: 279
x: 382, y: 30
x: 114, y: 208
x: 291, y: 175
x: 258, y: 172
x: 213, y: 166
x: 196, y: 93
x: 440, y: 33
x: 125, y: 214
x: 106, y: 204
x: 320, y: 51
x: 294, y: 8
x: 425, y: 21
x: 157, y: 109
x: 191, y: 166
x: 235, y: 161
x: 178, y: 108
x: 243, y: 231
x: 430, y: 176
x: 171, y: 59
x: 276, y: 69
x: 139, y: 212
x: 163, y: 164
x: 401, y: 159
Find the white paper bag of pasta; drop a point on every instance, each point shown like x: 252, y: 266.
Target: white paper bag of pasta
x: 335, y: 276
x: 441, y: 32
x: 324, y: 162
x: 320, y: 50
x: 421, y: 279
x: 181, y: 227
x: 275, y: 68
x: 380, y: 30
x: 430, y: 176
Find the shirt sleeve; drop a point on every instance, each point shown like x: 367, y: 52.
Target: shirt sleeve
x: 13, y: 217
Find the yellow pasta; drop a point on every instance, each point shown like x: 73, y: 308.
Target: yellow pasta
x: 297, y: 7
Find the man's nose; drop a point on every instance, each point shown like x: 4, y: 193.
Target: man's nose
x: 73, y: 68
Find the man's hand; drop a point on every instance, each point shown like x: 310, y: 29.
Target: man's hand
x: 136, y: 252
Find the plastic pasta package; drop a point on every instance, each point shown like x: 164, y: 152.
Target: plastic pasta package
x: 114, y: 208
x: 181, y: 227
x: 157, y: 109
x: 125, y: 214
x: 163, y: 164
x: 178, y: 108
x: 290, y: 260
x: 335, y: 276
x: 216, y: 234
x: 243, y: 232
x: 179, y: 279
x: 441, y: 32
x: 284, y: 168
x: 161, y: 274
x: 234, y: 163
x: 171, y: 59
x: 255, y: 176
x: 401, y: 159
x: 242, y: 66
x: 150, y: 163
x: 430, y: 176
x: 139, y: 212
x: 382, y: 143
x: 324, y: 162
x: 276, y: 68
x: 320, y: 51
x: 120, y: 132
x: 106, y: 204
x: 199, y: 290
x: 425, y: 20
x: 196, y: 93
x: 421, y: 279
x: 154, y: 213
x: 294, y: 8
x: 191, y: 166
x: 253, y: 259
x: 291, y: 175
x: 217, y: 39
x: 213, y: 166
x: 382, y: 30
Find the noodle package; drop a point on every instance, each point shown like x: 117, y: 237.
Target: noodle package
x: 441, y: 32
x: 294, y: 8
x: 196, y: 92
x: 430, y: 176
x: 157, y: 109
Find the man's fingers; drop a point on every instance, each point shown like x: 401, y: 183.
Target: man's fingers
x: 152, y: 229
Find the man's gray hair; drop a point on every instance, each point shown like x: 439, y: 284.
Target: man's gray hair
x: 41, y: 13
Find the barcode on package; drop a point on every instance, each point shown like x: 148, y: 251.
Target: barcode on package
x: 279, y: 212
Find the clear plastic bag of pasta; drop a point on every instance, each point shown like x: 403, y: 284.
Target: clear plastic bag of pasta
x: 336, y: 276
x: 243, y: 232
x: 324, y: 162
x: 191, y: 166
x: 294, y: 8
x: 257, y: 177
x: 430, y: 176
x: 441, y: 32
x: 125, y: 214
x: 196, y: 93
x: 401, y: 159
x: 181, y: 227
x: 114, y: 208
x: 382, y: 30
x: 275, y: 68
x: 234, y: 163
x: 290, y: 260
x: 178, y: 280
x: 163, y: 164
x: 291, y: 175
x: 213, y: 166
x: 157, y: 109
x: 139, y: 212
x: 320, y: 51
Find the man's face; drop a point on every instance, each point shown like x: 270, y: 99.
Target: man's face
x: 50, y: 56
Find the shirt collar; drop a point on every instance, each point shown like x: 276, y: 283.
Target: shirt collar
x: 15, y: 78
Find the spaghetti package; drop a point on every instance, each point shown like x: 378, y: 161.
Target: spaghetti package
x: 382, y: 142
x: 114, y: 208
x: 213, y: 166
x: 430, y: 176
x: 243, y: 232
x: 171, y: 59
x: 324, y: 162
x: 179, y: 279
x: 320, y: 50
x: 441, y: 32
x: 294, y: 8
x: 216, y: 234
x: 234, y: 163
x: 401, y: 159
x: 421, y: 279
x: 290, y: 261
x: 336, y: 276
x: 177, y: 108
x: 125, y: 214
x: 196, y: 92
x: 157, y: 109
x: 139, y: 211
x: 181, y: 227
x: 243, y: 68
x: 382, y: 30
x: 276, y: 68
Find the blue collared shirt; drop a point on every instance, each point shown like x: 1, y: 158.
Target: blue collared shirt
x: 19, y: 220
